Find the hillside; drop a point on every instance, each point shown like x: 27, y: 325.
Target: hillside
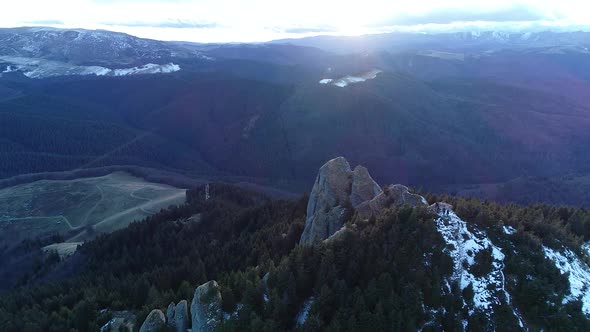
x: 81, y: 208
x: 474, y: 110
x: 400, y: 261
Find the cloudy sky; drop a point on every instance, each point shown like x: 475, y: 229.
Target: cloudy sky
x: 262, y: 20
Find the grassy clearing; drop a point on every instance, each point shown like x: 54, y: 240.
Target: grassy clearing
x: 63, y: 249
x: 80, y: 208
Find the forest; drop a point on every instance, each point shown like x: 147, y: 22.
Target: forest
x: 370, y: 279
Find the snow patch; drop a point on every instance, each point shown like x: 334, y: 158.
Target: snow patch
x: 40, y: 68
x: 149, y: 68
x: 9, y: 69
x: 302, y: 315
x: 233, y: 315
x: 509, y: 230
x: 578, y: 275
x: 351, y: 79
x: 107, y: 326
x: 424, y: 201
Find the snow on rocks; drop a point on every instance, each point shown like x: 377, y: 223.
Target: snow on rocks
x: 578, y: 275
x: 509, y: 230
x: 462, y: 245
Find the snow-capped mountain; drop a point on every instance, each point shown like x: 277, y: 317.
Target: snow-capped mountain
x: 47, y: 52
x: 471, y: 41
x: 85, y: 47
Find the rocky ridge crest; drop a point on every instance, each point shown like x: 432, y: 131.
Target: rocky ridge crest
x: 339, y: 191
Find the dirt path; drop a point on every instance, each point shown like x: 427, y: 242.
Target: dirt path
x: 132, y: 210
x: 85, y: 221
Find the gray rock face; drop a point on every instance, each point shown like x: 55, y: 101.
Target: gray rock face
x: 206, y: 307
x: 170, y: 315
x: 177, y: 316
x: 337, y: 189
x: 393, y: 195
x: 154, y: 321
x: 181, y: 322
x: 181, y: 316
x: 364, y: 188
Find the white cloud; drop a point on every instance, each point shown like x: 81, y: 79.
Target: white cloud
x: 260, y: 20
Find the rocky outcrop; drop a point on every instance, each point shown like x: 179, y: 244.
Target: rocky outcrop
x: 336, y: 191
x: 154, y: 322
x: 206, y: 307
x: 393, y: 195
x: 170, y: 315
x: 177, y: 316
x: 440, y: 208
x: 364, y: 188
x: 181, y: 321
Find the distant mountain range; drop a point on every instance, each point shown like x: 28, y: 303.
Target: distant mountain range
x: 438, y: 112
x: 474, y: 42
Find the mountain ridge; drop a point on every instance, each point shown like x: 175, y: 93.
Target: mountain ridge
x: 465, y: 265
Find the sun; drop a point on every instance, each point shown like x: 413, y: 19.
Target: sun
x: 359, y: 17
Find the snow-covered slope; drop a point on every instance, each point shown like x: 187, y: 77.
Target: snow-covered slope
x: 578, y: 275
x: 40, y: 68
x: 463, y: 244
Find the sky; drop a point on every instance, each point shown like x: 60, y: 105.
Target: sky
x: 263, y: 20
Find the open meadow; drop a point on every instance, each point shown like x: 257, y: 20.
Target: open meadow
x: 81, y: 208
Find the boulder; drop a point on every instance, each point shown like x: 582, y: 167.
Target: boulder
x: 154, y: 322
x: 181, y: 321
x: 336, y: 191
x: 206, y: 307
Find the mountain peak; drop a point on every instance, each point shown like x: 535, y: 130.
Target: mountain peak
x: 339, y: 191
